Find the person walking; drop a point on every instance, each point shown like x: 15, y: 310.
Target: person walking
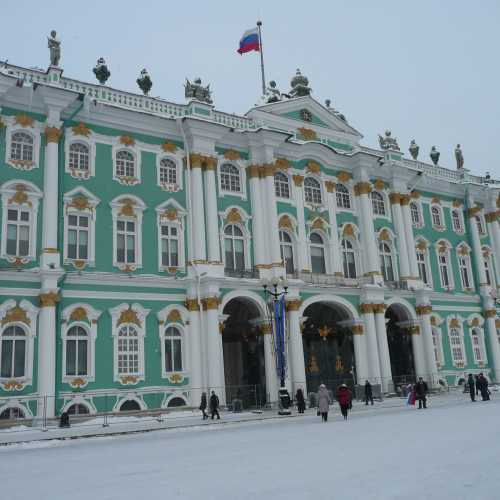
x: 477, y: 386
x: 214, y: 405
x: 301, y: 402
x: 323, y: 402
x: 421, y: 390
x: 368, y: 393
x: 344, y: 399
x: 482, y: 386
x: 472, y: 390
x: 203, y: 405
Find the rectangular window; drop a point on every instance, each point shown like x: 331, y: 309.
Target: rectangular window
x: 464, y: 272
x: 125, y: 241
x: 169, y: 246
x: 18, y: 232
x: 443, y: 271
x: 422, y: 267
x: 78, y: 237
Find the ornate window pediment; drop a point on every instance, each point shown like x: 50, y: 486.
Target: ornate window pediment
x: 23, y: 141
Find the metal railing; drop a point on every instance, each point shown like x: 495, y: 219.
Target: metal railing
x: 324, y: 279
x: 242, y: 273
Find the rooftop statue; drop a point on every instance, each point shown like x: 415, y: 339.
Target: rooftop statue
x: 144, y: 81
x: 101, y: 71
x: 272, y: 92
x: 414, y: 149
x: 434, y: 154
x: 197, y: 91
x: 459, y: 157
x: 299, y: 85
x: 54, y: 45
x: 333, y: 111
x: 388, y: 142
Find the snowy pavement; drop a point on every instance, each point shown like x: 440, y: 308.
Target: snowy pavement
x: 449, y: 451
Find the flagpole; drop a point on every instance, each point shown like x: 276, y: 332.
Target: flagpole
x: 259, y: 24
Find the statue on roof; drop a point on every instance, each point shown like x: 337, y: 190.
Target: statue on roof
x: 101, y: 71
x: 388, y: 142
x: 54, y: 45
x: 197, y: 91
x: 299, y: 85
x: 434, y: 154
x: 272, y: 93
x: 144, y: 81
x: 459, y: 157
x: 414, y: 149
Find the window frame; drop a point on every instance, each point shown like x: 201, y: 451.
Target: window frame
x: 163, y: 339
x: 420, y: 223
x: 34, y: 130
x: 380, y: 202
x: 90, y: 142
x: 290, y: 244
x: 240, y: 166
x: 232, y: 237
x: 383, y: 256
x: 355, y: 251
x: 324, y: 247
x: 136, y: 154
x: 477, y: 332
x: 426, y: 262
x: 460, y: 219
x: 177, y: 160
x: 460, y: 336
x: 447, y: 255
x: 465, y: 266
x: 441, y: 226
x: 318, y: 189
x: 437, y: 343
x: 344, y: 195
x: 277, y: 183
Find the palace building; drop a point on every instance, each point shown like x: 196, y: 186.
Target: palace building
x: 136, y: 232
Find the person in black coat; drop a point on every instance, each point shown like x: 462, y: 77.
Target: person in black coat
x: 203, y: 405
x: 301, y: 402
x: 368, y: 393
x: 472, y: 390
x: 482, y: 386
x: 477, y: 386
x: 421, y: 390
x: 214, y: 405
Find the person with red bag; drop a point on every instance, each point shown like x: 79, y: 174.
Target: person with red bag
x: 344, y: 399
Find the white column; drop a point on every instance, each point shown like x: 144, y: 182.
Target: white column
x: 410, y: 239
x: 360, y: 353
x: 258, y: 231
x: 272, y: 383
x: 371, y: 343
x: 494, y: 232
x: 211, y: 212
x: 199, y: 251
x: 365, y: 218
x: 214, y: 347
x: 418, y: 351
x: 491, y: 332
x: 476, y: 246
x: 397, y: 216
x: 383, y: 348
x: 426, y: 331
x: 47, y: 354
x: 50, y: 252
x: 272, y: 216
x: 334, y: 236
x: 303, y: 259
x: 296, y: 347
x: 197, y: 384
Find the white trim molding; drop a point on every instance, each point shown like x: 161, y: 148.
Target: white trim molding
x: 23, y: 123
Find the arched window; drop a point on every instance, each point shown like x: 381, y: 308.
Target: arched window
x: 230, y: 178
x: 422, y: 266
x: 480, y: 225
x: 168, y: 171
x: 125, y: 164
x: 13, y: 347
x: 477, y: 345
x: 386, y: 264
x: 169, y: 245
x: 21, y: 147
x: 312, y: 191
x: 79, y: 156
x: 436, y: 216
x: 78, y: 409
x: 234, y: 247
x: 173, y: 350
x: 286, y: 248
x: 18, y: 232
x: 12, y: 413
x: 317, y: 247
x: 436, y: 343
x: 130, y: 405
x: 77, y: 344
x: 348, y: 259
x: 128, y: 351
x: 281, y: 185
x: 378, y: 204
x: 457, y: 221
x: 457, y: 351
x: 416, y: 218
x: 343, y: 196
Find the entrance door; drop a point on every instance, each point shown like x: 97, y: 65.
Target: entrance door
x: 400, y: 350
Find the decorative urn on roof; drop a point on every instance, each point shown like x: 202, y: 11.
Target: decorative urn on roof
x: 434, y: 154
x: 414, y: 149
x: 101, y: 71
x: 144, y: 82
x: 196, y: 90
x: 299, y: 85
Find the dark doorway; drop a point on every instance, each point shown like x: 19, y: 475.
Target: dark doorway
x: 243, y: 349
x: 328, y: 347
x: 400, y: 346
x: 130, y: 405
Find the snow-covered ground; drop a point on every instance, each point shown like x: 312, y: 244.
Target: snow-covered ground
x: 449, y: 451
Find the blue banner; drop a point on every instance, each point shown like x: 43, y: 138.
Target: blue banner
x: 279, y: 322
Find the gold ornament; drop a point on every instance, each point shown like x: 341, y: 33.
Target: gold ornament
x: 285, y: 222
x: 20, y: 196
x: 454, y: 323
x: 52, y: 134
x: 423, y: 309
x: 176, y: 378
x: 282, y: 163
x: 210, y: 303
x: 314, y: 167
x: 298, y: 180
x: 126, y: 140
x: 344, y: 176
x: 49, y: 299
x: 404, y: 200
x: 362, y: 188
x: 169, y: 147
x: 395, y: 198
x: 78, y: 382
x: 436, y: 200
x: 192, y: 305
x: 129, y: 316
x: 490, y: 313
x: 422, y: 245
x: 308, y: 134
x: 379, y: 184
x: 78, y: 314
x: 234, y: 216
x: 80, y: 202
x: 129, y: 380
x: 293, y: 305
x: 268, y: 170
x: 24, y: 120
x: 384, y: 235
x: 324, y: 332
x: 415, y: 195
x: 457, y: 203
x: 16, y: 314
x: 348, y: 230
x: 357, y: 330
x: 492, y: 216
x: 174, y: 316
x: 253, y: 171
x: 330, y: 186
x: 318, y: 223
x: 81, y: 129
x: 127, y: 208
x: 366, y: 308
x: 171, y: 214
x: 472, y: 212
x: 232, y: 155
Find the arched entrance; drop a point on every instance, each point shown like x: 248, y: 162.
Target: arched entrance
x: 328, y: 346
x: 243, y: 350
x: 401, y: 353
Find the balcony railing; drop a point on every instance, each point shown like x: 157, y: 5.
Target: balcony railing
x: 242, y: 273
x: 324, y: 279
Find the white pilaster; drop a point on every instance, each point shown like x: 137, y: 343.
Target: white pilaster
x: 432, y: 376
x: 303, y: 259
x: 397, y: 216
x: 272, y: 383
x: 383, y: 348
x: 272, y: 216
x: 418, y: 354
x: 211, y: 214
x: 199, y: 248
x: 410, y: 238
x: 195, y: 355
x: 258, y: 224
x: 336, y: 254
x: 371, y: 343
x: 214, y: 347
x: 491, y: 331
x: 296, y: 348
x: 476, y: 246
x: 360, y: 353
x: 494, y: 232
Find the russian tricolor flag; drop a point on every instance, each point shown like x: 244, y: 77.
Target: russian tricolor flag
x: 249, y: 41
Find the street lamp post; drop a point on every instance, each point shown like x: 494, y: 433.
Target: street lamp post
x: 275, y: 292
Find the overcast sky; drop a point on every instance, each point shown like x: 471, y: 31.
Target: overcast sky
x: 428, y: 70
